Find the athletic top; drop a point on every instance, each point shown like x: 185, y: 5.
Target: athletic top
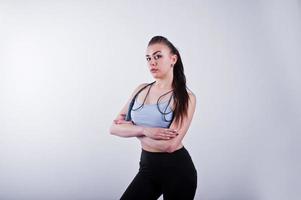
x: 159, y: 114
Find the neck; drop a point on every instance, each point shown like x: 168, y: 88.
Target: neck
x: 164, y: 83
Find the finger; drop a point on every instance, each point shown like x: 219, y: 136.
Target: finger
x: 166, y: 134
x: 171, y: 133
x: 124, y: 122
x: 171, y: 136
x: 161, y: 136
x: 171, y: 130
x: 166, y: 137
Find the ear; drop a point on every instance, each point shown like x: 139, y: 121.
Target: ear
x: 174, y: 58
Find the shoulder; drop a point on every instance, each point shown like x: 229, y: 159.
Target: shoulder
x: 138, y: 88
x: 191, y: 95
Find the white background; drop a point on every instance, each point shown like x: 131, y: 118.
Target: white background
x: 67, y: 68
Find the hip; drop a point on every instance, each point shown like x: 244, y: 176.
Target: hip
x: 179, y: 159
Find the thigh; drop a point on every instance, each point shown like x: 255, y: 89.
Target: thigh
x: 142, y: 188
x: 180, y: 188
x: 180, y: 184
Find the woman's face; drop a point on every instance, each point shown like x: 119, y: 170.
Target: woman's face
x: 160, y: 60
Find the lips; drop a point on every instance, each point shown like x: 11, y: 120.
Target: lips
x: 154, y: 70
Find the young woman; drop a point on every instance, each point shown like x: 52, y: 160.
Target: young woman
x: 159, y: 115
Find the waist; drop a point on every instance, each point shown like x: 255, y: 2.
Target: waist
x: 146, y: 150
x: 163, y: 157
x: 152, y: 150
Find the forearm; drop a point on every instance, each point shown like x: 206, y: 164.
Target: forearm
x: 126, y: 130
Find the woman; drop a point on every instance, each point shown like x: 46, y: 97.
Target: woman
x: 159, y: 115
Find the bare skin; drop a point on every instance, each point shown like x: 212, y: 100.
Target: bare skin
x: 160, y: 63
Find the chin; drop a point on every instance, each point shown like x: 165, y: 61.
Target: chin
x: 156, y: 76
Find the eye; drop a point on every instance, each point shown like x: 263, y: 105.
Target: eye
x: 156, y: 57
x: 148, y: 58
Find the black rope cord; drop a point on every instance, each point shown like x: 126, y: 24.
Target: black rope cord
x: 164, y: 113
x: 144, y: 97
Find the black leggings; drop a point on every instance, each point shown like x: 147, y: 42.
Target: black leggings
x: 170, y: 174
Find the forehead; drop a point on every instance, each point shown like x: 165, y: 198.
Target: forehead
x: 156, y: 47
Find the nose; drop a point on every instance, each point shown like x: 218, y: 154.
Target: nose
x: 152, y: 62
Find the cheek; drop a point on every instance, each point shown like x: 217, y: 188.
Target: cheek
x: 164, y: 63
x: 165, y: 69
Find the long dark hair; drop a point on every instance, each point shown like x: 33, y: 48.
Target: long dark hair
x: 180, y: 93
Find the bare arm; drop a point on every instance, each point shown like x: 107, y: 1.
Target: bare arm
x: 172, y: 144
x: 126, y: 129
x: 121, y: 127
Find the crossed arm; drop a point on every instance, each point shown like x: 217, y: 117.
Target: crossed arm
x: 171, y: 144
x: 158, y: 138
x: 163, y: 139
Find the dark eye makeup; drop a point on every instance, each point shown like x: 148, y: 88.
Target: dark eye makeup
x: 156, y: 57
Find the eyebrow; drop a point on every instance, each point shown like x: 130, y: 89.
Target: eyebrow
x: 155, y: 53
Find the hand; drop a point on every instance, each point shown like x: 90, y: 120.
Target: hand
x: 121, y: 116
x: 121, y: 120
x: 160, y: 133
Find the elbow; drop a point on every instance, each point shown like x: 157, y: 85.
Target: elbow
x: 112, y: 130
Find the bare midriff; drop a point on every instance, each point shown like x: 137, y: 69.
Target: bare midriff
x: 150, y: 149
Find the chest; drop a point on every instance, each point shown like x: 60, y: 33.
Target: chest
x: 155, y: 96
x: 152, y: 115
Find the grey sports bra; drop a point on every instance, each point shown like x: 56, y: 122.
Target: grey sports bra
x: 159, y: 114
